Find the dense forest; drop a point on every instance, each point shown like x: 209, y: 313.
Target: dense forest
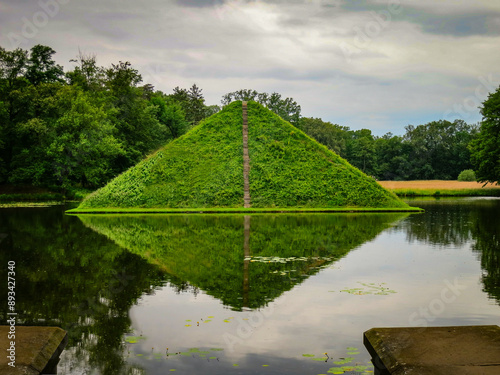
x: 79, y: 128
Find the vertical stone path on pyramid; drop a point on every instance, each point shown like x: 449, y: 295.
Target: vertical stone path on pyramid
x: 246, y: 159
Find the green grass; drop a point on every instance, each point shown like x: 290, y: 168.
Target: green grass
x: 138, y: 210
x: 203, y: 170
x: 447, y: 193
x: 288, y: 169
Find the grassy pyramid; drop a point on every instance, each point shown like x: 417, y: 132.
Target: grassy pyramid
x: 204, y: 169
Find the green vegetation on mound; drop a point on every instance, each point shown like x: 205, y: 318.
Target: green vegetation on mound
x: 287, y: 168
x: 204, y: 169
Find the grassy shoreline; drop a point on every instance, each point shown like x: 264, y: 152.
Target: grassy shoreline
x: 236, y: 210
x: 441, y: 188
x: 26, y: 193
x: 402, y: 193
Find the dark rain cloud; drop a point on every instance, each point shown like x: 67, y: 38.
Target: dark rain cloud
x: 432, y: 20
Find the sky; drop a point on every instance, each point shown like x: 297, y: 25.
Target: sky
x: 373, y: 64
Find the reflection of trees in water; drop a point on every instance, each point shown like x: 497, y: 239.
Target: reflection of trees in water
x: 212, y: 252
x: 444, y: 223
x: 71, y: 277
x: 452, y: 222
x: 486, y: 232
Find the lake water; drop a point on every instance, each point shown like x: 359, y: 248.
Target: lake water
x: 254, y: 294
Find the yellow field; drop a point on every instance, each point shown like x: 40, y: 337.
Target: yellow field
x: 435, y: 185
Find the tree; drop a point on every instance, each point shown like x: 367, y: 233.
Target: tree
x: 121, y: 80
x: 485, y: 149
x: 41, y: 67
x: 196, y: 107
x: 392, y: 158
x: 76, y: 148
x: 287, y: 109
x: 438, y: 150
x: 87, y: 74
x: 211, y: 110
x: 360, y: 151
x: 171, y: 115
x: 192, y: 103
x: 3, y: 121
x: 331, y: 135
x: 12, y: 66
x: 467, y: 175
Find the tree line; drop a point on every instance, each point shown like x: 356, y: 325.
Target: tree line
x: 82, y: 127
x: 434, y: 151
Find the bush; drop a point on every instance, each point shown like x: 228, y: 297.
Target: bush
x: 467, y: 175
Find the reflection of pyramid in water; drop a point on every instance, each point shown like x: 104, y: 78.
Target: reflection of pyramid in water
x: 205, y: 168
x: 245, y: 261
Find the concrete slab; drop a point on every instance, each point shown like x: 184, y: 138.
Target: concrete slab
x: 37, y: 350
x: 467, y: 350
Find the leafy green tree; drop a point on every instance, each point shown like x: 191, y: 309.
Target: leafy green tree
x: 12, y: 67
x: 87, y: 74
x: 76, y: 148
x: 467, y: 175
x: 3, y: 121
x: 438, y: 150
x: 331, y: 135
x: 121, y: 81
x: 41, y: 68
x: 244, y: 95
x: 360, y: 151
x: 138, y: 128
x: 196, y: 104
x: 171, y: 115
x: 211, y: 110
x: 485, y: 149
x: 287, y: 108
x: 392, y: 158
x: 192, y: 103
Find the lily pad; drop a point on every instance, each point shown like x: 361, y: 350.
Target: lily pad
x: 134, y: 339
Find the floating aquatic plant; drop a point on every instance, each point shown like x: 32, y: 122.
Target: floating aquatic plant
x: 276, y: 259
x: 134, y: 339
x: 370, y: 288
x: 344, y: 364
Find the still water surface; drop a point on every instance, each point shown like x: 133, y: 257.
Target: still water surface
x: 254, y: 294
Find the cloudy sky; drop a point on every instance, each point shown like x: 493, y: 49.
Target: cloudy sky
x: 375, y: 64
